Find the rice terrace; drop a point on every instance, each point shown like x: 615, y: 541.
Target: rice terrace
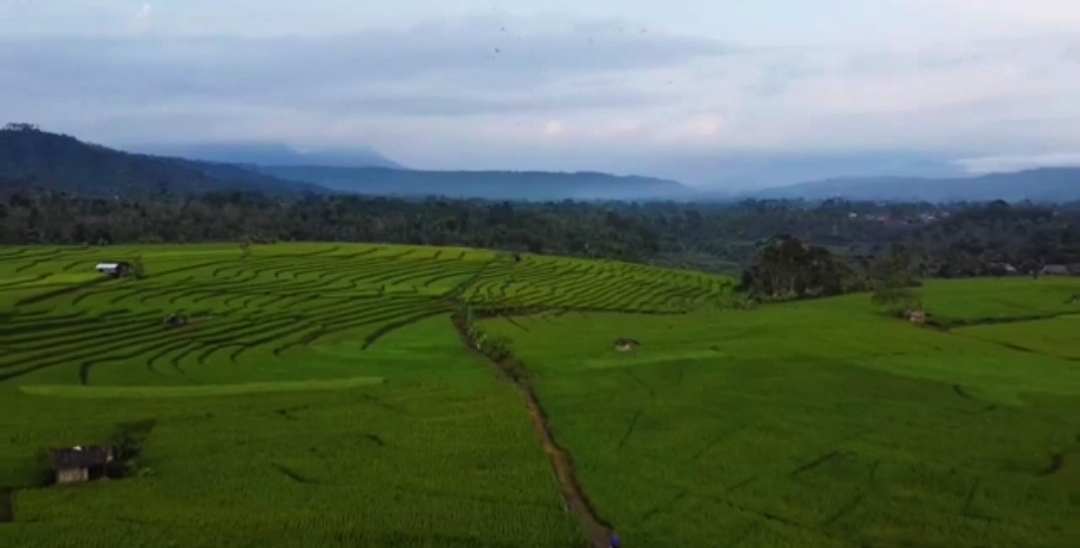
x: 404, y: 396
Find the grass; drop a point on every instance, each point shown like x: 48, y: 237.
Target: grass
x: 348, y: 413
x: 816, y: 424
x: 73, y: 391
x: 991, y: 300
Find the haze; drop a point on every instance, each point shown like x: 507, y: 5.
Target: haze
x: 716, y: 94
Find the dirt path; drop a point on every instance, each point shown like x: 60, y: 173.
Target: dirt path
x: 596, y: 529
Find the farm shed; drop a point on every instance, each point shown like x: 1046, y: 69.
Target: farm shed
x: 116, y: 270
x: 917, y: 317
x: 81, y: 464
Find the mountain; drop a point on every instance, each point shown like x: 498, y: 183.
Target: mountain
x: 492, y: 185
x: 31, y: 158
x: 272, y: 154
x: 1039, y: 185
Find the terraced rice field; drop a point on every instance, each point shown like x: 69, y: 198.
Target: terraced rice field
x: 320, y: 396
x: 68, y: 324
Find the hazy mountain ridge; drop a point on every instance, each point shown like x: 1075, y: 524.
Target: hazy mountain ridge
x: 34, y: 159
x: 1059, y: 184
x: 494, y: 185
x: 272, y: 154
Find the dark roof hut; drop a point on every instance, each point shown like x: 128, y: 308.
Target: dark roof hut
x: 79, y: 464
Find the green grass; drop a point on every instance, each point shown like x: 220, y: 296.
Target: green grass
x: 815, y: 424
x: 70, y: 391
x: 1054, y: 337
x: 995, y: 299
x: 320, y: 397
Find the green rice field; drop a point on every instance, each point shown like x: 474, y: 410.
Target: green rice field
x: 320, y: 396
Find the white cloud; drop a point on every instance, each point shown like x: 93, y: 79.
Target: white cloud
x: 1009, y: 163
x: 587, y: 91
x: 1056, y: 13
x: 553, y: 128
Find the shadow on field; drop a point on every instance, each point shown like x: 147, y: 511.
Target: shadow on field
x: 7, y: 505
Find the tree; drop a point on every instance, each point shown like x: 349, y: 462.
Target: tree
x: 137, y: 268
x: 15, y: 126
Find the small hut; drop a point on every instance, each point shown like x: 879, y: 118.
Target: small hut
x: 79, y: 464
x: 626, y: 345
x: 917, y: 317
x: 116, y: 270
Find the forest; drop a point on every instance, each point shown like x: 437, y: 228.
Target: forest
x: 952, y: 240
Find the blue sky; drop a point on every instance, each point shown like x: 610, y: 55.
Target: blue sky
x: 736, y: 93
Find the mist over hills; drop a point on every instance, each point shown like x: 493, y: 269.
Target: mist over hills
x: 35, y: 159
x: 1058, y: 184
x: 272, y: 154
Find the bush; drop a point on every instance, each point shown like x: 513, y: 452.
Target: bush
x: 897, y: 301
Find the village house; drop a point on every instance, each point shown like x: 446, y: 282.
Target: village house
x: 79, y: 464
x: 116, y: 270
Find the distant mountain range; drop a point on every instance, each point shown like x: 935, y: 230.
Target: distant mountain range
x: 30, y: 158
x: 492, y: 185
x: 272, y: 154
x: 1044, y: 184
x: 34, y: 159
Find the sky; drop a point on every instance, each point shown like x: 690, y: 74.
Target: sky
x: 721, y: 93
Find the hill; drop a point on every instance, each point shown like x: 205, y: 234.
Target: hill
x: 492, y: 185
x: 1041, y: 185
x: 35, y: 159
x: 31, y: 158
x: 272, y: 154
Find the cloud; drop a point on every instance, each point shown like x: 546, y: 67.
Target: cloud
x: 1057, y: 13
x: 1009, y: 163
x: 145, y: 12
x: 595, y: 96
x: 553, y: 128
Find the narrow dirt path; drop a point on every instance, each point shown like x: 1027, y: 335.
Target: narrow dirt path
x: 596, y: 529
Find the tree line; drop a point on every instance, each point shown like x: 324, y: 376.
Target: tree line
x: 832, y: 245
